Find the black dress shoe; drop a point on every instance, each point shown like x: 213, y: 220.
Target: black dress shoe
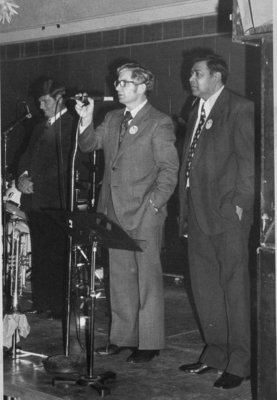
x: 142, y: 356
x: 229, y: 381
x: 196, y: 368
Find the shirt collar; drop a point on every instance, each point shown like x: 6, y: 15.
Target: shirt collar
x: 53, y: 119
x: 208, y: 104
x: 135, y: 110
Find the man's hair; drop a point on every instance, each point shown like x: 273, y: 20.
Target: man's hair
x: 141, y: 74
x: 215, y: 63
x: 52, y: 88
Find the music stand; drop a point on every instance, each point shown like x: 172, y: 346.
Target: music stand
x: 98, y: 231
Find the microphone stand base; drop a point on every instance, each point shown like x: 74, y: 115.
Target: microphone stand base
x: 62, y: 364
x: 97, y: 382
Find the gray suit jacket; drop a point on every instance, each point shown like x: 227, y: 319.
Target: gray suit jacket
x: 144, y: 167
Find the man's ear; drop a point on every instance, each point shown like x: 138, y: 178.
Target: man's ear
x: 58, y: 96
x: 142, y: 88
x: 218, y: 77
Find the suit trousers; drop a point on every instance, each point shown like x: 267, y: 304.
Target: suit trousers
x: 49, y: 262
x: 136, y: 288
x: 220, y: 283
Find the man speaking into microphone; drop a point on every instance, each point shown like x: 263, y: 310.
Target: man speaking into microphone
x: 43, y: 181
x: 141, y: 167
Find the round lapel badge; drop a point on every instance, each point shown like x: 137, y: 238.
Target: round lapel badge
x: 133, y: 130
x: 209, y: 124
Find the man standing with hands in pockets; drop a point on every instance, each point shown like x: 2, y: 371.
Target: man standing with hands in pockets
x: 141, y: 168
x: 216, y: 212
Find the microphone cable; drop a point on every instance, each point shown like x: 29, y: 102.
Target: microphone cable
x: 60, y: 158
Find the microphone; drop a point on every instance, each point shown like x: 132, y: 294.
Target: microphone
x: 84, y: 98
x: 28, y: 113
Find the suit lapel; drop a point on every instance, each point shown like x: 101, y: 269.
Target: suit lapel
x: 115, y: 135
x: 189, y: 130
x: 135, y: 128
x: 218, y: 106
x: 211, y: 124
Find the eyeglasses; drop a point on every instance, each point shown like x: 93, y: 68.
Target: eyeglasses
x: 123, y: 83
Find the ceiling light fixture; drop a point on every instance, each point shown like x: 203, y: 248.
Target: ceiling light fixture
x: 7, y: 10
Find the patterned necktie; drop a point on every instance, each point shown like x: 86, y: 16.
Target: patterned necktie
x: 195, y: 140
x: 124, y: 125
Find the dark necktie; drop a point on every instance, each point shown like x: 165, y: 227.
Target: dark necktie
x: 124, y: 125
x: 195, y: 140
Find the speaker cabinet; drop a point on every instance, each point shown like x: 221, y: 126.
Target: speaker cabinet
x: 266, y: 334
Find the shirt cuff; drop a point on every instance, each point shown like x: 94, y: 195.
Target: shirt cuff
x: 82, y: 127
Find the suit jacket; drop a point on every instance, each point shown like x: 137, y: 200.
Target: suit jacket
x: 222, y: 170
x: 41, y: 160
x: 144, y: 167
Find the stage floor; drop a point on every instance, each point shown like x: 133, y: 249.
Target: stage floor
x: 160, y: 379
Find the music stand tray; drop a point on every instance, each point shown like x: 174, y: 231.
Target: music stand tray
x: 97, y: 230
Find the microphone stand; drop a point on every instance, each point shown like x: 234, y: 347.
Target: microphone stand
x: 11, y: 128
x: 94, y: 180
x: 71, y: 209
x: 64, y: 363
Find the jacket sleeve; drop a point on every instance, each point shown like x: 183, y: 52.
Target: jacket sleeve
x: 92, y: 139
x: 245, y: 155
x: 167, y: 161
x: 25, y: 159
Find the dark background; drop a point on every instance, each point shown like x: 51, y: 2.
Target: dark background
x: 87, y: 62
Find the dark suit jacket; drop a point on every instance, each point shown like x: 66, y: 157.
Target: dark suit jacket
x: 222, y: 170
x: 41, y: 160
x: 144, y: 167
